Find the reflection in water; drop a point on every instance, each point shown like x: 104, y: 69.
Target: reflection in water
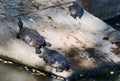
x: 11, y: 73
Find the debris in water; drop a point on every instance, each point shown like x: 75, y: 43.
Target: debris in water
x: 5, y: 62
x: 33, y: 70
x: 112, y: 72
x: 1, y: 59
x: 26, y: 68
x: 9, y: 62
x: 20, y: 68
x: 81, y: 75
x: 60, y: 78
x: 36, y: 72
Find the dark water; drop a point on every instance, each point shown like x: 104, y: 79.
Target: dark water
x: 102, y: 8
x: 15, y: 72
x: 114, y: 22
x: 10, y: 72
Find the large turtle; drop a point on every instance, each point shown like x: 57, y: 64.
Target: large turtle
x: 76, y: 10
x: 113, y: 37
x: 55, y: 59
x: 31, y: 37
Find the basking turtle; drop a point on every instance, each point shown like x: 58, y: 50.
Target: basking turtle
x: 113, y: 37
x: 31, y: 37
x: 55, y: 59
x: 76, y: 10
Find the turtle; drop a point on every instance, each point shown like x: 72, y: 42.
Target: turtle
x: 55, y: 59
x: 113, y: 37
x: 76, y: 10
x: 31, y: 37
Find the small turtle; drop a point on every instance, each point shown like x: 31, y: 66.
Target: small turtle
x: 31, y: 37
x: 55, y: 59
x: 76, y: 10
x: 113, y: 37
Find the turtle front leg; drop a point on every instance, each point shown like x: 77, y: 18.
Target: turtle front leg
x: 37, y: 50
x: 47, y: 44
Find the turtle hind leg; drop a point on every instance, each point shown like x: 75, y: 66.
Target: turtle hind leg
x: 37, y: 50
x: 59, y: 70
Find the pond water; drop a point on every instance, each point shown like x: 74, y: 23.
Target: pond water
x: 14, y: 72
x: 11, y: 72
x: 114, y: 22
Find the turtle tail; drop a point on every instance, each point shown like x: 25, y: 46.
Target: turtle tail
x: 20, y: 23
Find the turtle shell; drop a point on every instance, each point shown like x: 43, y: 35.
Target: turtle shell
x: 76, y: 10
x: 55, y: 59
x: 31, y: 37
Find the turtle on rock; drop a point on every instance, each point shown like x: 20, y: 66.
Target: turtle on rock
x: 31, y: 37
x: 113, y: 37
x: 55, y: 59
x: 76, y: 10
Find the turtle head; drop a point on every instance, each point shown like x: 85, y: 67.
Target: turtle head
x: 44, y: 51
x: 20, y: 23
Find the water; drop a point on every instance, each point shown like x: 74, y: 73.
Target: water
x: 10, y: 72
x: 13, y: 72
x: 102, y: 8
x: 114, y: 22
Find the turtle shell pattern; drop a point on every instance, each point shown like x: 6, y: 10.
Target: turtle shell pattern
x: 31, y: 37
x: 55, y: 59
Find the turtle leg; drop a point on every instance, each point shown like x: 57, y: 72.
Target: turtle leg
x: 18, y: 36
x: 37, y: 50
x: 48, y: 44
x: 41, y: 55
x: 59, y: 69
